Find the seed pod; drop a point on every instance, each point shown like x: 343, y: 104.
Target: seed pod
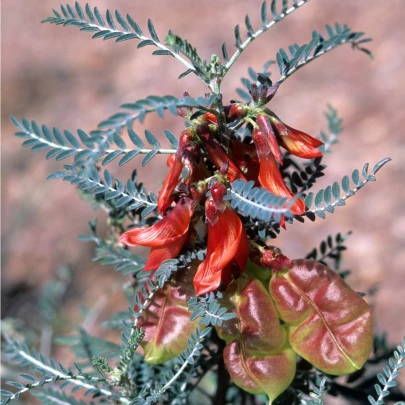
x: 258, y: 324
x: 271, y: 374
x: 166, y: 321
x: 330, y: 325
x: 258, y: 356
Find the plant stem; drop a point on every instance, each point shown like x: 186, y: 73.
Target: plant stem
x: 251, y: 38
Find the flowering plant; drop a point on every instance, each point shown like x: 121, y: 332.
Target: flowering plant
x: 215, y: 294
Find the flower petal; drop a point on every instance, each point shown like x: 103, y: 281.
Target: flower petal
x: 270, y: 178
x: 217, y: 154
x: 224, y: 241
x: 301, y: 144
x: 168, y: 251
x: 227, y: 233
x: 168, y: 230
x: 266, y: 129
x: 166, y: 198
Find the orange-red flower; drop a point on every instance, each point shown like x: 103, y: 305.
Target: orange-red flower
x: 217, y: 154
x: 245, y: 156
x: 269, y: 174
x: 227, y: 247
x: 166, y: 237
x: 296, y: 142
x: 267, y: 131
x: 166, y: 198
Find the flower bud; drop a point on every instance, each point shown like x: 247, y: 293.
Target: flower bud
x: 235, y: 111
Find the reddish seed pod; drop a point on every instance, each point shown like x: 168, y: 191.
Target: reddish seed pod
x: 330, y: 325
x: 257, y: 355
x: 166, y: 321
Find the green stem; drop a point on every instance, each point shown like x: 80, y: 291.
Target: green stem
x: 251, y: 38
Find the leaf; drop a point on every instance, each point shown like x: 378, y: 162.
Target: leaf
x: 152, y: 31
x: 128, y: 156
x: 323, y: 312
x: 134, y: 25
x: 110, y: 157
x: 136, y: 140
x: 162, y: 52
x: 121, y: 21
x: 171, y: 138
x: 225, y: 52
x: 152, y: 139
x: 148, y: 157
x: 257, y: 202
x: 184, y: 74
x: 263, y: 13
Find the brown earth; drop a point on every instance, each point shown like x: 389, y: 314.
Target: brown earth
x: 61, y: 77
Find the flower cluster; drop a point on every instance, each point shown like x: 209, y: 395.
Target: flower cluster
x: 323, y: 320
x: 203, y: 164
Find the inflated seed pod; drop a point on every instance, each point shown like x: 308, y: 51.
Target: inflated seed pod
x: 166, y: 321
x: 329, y: 324
x: 257, y: 356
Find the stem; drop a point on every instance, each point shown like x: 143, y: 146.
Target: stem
x: 183, y: 367
x: 106, y: 151
x: 311, y: 58
x: 77, y: 380
x: 236, y: 55
x: 143, y: 38
x: 344, y: 198
x: 393, y: 374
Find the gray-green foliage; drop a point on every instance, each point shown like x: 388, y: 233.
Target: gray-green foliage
x: 115, y: 373
x: 325, y: 200
x: 319, y: 45
x: 258, y: 203
x: 387, y: 379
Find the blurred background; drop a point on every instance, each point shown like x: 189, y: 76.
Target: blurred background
x: 61, y: 77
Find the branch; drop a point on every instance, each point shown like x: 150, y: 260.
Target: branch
x: 96, y: 145
x: 69, y: 17
x: 391, y: 373
x: 79, y: 380
x: 266, y: 25
x: 301, y: 55
x: 131, y: 196
x: 155, y: 104
x: 257, y: 202
x: 325, y: 196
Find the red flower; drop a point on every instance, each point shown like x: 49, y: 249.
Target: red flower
x: 296, y: 142
x: 166, y: 198
x: 227, y: 248
x: 166, y: 237
x: 245, y: 156
x: 217, y: 154
x: 269, y: 174
x: 301, y: 144
x: 267, y: 131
